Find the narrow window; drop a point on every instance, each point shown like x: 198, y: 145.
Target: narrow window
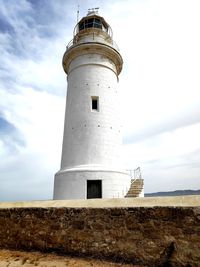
x: 95, y: 103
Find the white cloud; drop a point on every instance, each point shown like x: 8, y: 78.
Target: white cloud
x: 168, y: 160
x: 28, y: 172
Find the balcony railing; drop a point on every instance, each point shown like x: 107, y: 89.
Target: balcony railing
x: 73, y: 43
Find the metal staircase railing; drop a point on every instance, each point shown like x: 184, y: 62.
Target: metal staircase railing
x: 137, y: 183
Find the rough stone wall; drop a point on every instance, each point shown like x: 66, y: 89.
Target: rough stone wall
x: 159, y: 236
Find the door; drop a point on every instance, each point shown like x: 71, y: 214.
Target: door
x: 94, y: 189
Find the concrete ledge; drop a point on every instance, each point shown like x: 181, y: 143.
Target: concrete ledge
x: 179, y: 201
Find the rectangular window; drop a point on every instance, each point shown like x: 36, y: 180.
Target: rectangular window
x: 95, y: 103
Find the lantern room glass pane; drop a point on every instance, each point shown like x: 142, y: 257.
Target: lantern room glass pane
x: 81, y: 26
x: 89, y: 23
x: 92, y: 23
x: 97, y: 23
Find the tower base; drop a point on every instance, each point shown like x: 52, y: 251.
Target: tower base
x: 83, y: 183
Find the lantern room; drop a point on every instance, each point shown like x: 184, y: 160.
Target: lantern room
x: 92, y: 20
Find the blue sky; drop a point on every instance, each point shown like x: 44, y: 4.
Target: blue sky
x: 159, y: 85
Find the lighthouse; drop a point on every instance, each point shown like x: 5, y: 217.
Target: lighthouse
x: 91, y: 165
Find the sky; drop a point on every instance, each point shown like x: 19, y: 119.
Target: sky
x: 159, y: 86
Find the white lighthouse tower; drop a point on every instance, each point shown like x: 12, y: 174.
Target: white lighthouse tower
x: 91, y: 153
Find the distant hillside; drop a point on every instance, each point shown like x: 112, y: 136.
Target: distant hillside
x: 174, y: 193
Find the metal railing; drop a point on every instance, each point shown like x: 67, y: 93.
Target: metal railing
x: 71, y: 43
x: 74, y: 42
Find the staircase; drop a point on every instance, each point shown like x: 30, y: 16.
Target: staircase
x: 136, y: 188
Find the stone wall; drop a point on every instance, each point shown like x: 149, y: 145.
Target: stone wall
x: 158, y: 236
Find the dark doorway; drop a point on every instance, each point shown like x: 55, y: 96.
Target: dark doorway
x: 94, y: 189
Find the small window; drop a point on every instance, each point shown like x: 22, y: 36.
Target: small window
x: 95, y: 103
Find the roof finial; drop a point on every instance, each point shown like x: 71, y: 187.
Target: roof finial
x: 93, y: 11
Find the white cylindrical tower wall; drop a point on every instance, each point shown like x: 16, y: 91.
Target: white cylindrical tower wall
x: 92, y: 133
x: 92, y: 136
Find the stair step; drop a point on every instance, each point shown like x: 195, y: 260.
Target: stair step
x: 136, y: 188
